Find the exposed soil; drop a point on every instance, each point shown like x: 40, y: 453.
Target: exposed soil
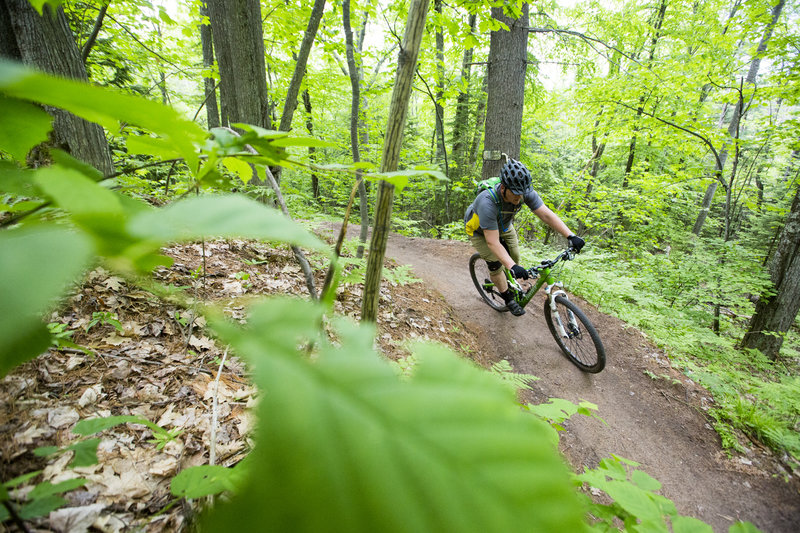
x: 658, y: 423
x: 161, y: 364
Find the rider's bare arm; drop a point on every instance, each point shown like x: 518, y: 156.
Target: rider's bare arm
x: 553, y: 220
x: 493, y: 240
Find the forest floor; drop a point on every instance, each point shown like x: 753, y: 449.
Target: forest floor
x: 156, y: 361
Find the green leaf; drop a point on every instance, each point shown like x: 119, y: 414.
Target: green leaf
x: 400, y: 178
x: 41, y: 507
x: 15, y: 180
x: 303, y: 142
x: 24, y: 126
x: 154, y: 146
x: 36, y: 265
x: 635, y: 501
x: 221, y: 216
x: 104, y: 106
x: 24, y: 478
x: 85, y: 453
x: 344, y: 443
x: 39, y: 4
x: 76, y: 193
x: 644, y: 481
x: 687, y: 524
x: 239, y: 167
x: 204, y: 480
x: 743, y: 527
x: 46, y: 451
x: 66, y: 160
x: 45, y: 488
x: 96, y: 425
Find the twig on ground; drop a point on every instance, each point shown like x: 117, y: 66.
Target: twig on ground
x: 212, y: 456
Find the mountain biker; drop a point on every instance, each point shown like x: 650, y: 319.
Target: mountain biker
x: 489, y: 223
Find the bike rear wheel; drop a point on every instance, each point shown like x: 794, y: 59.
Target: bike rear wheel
x: 580, y: 341
x: 483, y: 282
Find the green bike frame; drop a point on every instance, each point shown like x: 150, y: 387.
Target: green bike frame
x: 545, y: 277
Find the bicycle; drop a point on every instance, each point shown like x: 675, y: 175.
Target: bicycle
x: 573, y: 331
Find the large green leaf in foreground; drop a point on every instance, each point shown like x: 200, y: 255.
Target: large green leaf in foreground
x: 220, y: 216
x: 35, y: 266
x: 345, y: 445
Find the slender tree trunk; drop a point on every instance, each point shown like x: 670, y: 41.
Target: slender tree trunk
x: 209, y: 85
x: 460, y: 148
x: 775, y: 314
x: 312, y: 150
x: 508, y: 54
x: 239, y: 48
x: 733, y: 127
x: 406, y: 67
x: 480, y: 123
x: 356, y: 75
x: 300, y: 66
x: 46, y: 42
x: 437, y: 6
x: 98, y: 24
x: 290, y: 104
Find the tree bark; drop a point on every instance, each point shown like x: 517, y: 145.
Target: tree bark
x: 508, y: 52
x: 98, y: 24
x: 209, y: 85
x: 46, y: 42
x: 239, y: 49
x: 460, y: 148
x: 733, y: 127
x: 312, y: 150
x: 355, y: 86
x: 480, y: 122
x: 775, y: 314
x: 300, y: 66
x: 406, y: 67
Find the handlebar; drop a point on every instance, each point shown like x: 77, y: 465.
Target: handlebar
x: 566, y: 255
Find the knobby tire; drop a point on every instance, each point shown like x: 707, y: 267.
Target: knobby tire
x: 583, y: 347
x: 480, y: 275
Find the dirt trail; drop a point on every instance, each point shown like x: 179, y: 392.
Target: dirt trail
x: 658, y: 423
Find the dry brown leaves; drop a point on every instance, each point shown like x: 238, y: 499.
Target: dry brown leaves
x: 160, y: 363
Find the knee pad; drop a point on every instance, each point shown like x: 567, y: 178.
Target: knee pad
x: 494, y: 266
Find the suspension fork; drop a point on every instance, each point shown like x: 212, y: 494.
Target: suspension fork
x: 553, y: 290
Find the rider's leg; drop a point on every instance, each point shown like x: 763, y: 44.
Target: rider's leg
x: 495, y: 267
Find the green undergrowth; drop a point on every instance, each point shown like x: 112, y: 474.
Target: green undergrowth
x: 670, y: 300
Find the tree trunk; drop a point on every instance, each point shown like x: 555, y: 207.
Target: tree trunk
x: 733, y: 127
x: 239, y: 48
x: 480, y: 122
x: 46, y: 42
x: 775, y: 314
x: 460, y: 148
x: 300, y: 66
x: 209, y: 85
x: 98, y: 24
x: 406, y: 67
x: 440, y: 147
x: 355, y: 87
x: 290, y: 104
x: 312, y: 150
x: 508, y: 52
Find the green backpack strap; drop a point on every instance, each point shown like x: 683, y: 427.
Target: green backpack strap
x: 496, y: 199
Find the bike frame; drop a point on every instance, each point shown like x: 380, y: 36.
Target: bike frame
x: 552, y: 289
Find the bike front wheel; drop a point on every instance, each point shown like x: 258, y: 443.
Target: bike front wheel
x: 575, y: 335
x: 483, y: 282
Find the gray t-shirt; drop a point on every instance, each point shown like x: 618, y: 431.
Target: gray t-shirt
x: 482, y: 213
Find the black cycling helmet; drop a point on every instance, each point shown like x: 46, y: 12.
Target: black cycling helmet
x: 515, y: 177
